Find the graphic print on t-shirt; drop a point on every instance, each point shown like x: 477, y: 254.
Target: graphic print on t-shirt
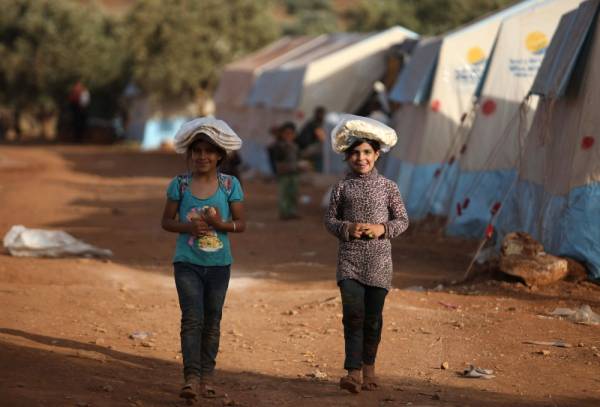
x: 209, y: 242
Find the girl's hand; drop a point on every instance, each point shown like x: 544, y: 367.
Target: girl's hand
x: 212, y: 217
x: 373, y: 231
x: 355, y: 230
x: 198, y: 228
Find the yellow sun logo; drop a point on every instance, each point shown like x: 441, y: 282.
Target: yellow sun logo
x: 536, y: 42
x: 475, y: 55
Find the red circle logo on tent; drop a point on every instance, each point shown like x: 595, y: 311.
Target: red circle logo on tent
x: 587, y: 143
x: 436, y: 105
x: 488, y: 107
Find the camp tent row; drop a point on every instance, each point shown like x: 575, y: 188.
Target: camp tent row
x: 487, y: 157
x: 511, y: 162
x: 335, y: 70
x: 557, y: 194
x: 437, y: 91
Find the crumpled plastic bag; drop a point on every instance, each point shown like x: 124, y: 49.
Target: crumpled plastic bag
x: 583, y: 315
x: 23, y: 242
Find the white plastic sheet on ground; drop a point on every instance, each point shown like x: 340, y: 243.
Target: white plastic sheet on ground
x: 23, y: 242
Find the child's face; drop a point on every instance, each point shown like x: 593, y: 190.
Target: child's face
x: 204, y: 156
x: 362, y: 158
x: 288, y: 135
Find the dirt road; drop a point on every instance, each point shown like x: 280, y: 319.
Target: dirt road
x: 65, y: 324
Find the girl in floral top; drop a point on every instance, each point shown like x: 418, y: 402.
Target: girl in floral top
x: 365, y: 212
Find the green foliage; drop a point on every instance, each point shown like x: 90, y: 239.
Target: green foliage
x: 312, y: 22
x: 170, y: 48
x: 45, y: 46
x: 296, y: 6
x: 427, y: 17
x: 176, y: 46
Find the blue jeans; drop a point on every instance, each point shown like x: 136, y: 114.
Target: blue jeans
x: 201, y: 292
x: 362, y: 318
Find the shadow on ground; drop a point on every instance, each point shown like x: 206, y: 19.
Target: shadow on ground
x: 100, y: 376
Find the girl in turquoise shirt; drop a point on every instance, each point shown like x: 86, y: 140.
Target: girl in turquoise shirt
x: 203, y: 206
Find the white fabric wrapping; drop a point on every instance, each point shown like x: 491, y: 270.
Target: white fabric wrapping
x: 352, y: 127
x: 216, y: 129
x: 24, y: 242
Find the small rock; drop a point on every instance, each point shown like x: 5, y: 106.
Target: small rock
x: 228, y: 402
x: 99, y: 341
x: 290, y: 312
x: 445, y: 366
x: 576, y: 271
x: 107, y: 388
x: 147, y: 344
x: 140, y: 335
x: 82, y: 404
x: 544, y: 352
x: 523, y: 257
x: 317, y: 375
x: 436, y: 397
x: 580, y: 345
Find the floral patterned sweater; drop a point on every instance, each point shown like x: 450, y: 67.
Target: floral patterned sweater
x: 368, y: 198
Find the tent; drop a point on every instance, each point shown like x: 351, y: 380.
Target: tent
x: 461, y: 63
x: 236, y: 83
x: 488, y: 156
x: 338, y: 73
x: 411, y: 91
x: 557, y: 195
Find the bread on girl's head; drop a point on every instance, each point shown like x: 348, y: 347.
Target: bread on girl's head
x: 352, y: 128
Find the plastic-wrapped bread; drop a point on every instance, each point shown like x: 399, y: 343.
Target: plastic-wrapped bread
x: 352, y: 128
x: 217, y: 130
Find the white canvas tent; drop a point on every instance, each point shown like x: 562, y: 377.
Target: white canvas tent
x: 489, y: 155
x: 557, y: 197
x: 234, y: 89
x: 338, y: 73
x: 411, y: 90
x: 461, y: 63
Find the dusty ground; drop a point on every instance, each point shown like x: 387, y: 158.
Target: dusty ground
x: 65, y: 324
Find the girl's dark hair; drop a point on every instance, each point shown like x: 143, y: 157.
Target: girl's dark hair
x: 373, y: 143
x: 204, y: 137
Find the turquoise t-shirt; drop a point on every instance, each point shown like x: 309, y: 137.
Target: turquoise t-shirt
x: 214, y: 249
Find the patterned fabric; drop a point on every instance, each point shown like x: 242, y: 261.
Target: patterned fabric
x: 369, y: 198
x: 225, y: 182
x: 212, y: 249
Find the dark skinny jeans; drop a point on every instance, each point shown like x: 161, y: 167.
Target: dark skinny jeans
x: 201, y: 292
x: 362, y: 318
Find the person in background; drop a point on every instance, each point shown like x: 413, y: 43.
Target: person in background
x: 79, y: 100
x: 285, y: 158
x: 311, y: 138
x: 271, y: 148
